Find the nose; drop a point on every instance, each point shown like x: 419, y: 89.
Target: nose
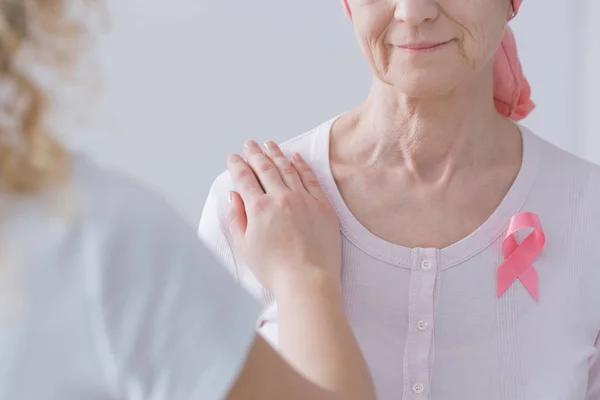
x: 416, y: 12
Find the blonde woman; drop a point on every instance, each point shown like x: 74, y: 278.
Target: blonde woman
x: 106, y: 294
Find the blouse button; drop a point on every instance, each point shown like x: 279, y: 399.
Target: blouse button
x: 426, y: 264
x: 418, y: 388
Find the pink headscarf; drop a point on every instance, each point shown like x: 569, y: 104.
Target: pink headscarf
x: 512, y: 93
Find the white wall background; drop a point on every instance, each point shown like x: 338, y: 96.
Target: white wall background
x: 186, y: 81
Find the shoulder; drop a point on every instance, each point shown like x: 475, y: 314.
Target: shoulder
x: 95, y: 207
x: 561, y: 171
x: 569, y: 185
x: 159, y: 294
x: 563, y: 163
x: 143, y: 251
x: 306, y: 144
x: 567, y: 188
x: 127, y: 225
x: 130, y: 273
x: 117, y: 209
x: 112, y: 196
x: 216, y: 205
x: 213, y: 230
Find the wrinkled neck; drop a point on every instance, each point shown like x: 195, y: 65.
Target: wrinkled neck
x: 431, y: 136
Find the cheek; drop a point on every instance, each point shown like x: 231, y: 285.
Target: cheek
x: 372, y: 25
x: 481, y: 43
x: 474, y: 45
x: 481, y: 26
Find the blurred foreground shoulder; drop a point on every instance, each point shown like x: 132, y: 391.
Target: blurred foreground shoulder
x: 175, y: 324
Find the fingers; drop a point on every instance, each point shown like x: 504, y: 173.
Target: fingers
x: 237, y: 220
x: 270, y: 171
x: 288, y: 173
x: 243, y: 177
x: 264, y: 168
x: 308, y: 178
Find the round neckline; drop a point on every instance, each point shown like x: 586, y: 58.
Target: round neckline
x: 402, y: 256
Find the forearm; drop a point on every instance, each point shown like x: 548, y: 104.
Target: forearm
x: 316, y: 338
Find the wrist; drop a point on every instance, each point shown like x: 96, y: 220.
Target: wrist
x: 305, y: 281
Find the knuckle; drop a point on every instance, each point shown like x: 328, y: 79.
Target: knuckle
x: 286, y: 201
x: 261, y: 204
x: 234, y: 160
x: 312, y: 182
x: 303, y: 165
x: 265, y: 166
x: 287, y: 169
x: 277, y: 154
x: 243, y: 173
x: 328, y: 209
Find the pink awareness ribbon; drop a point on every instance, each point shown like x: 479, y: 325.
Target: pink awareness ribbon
x: 519, y: 257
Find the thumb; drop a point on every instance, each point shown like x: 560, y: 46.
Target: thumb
x: 236, y: 219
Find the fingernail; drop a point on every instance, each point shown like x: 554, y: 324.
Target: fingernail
x: 296, y: 157
x: 250, y: 144
x: 270, y: 145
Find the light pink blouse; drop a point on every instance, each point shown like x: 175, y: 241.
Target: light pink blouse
x: 429, y: 321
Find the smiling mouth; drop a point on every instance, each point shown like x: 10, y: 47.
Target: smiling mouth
x: 422, y: 47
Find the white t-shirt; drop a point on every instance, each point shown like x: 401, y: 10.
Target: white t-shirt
x: 106, y: 294
x: 429, y: 321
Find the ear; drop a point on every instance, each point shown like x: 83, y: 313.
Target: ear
x: 511, y: 14
x: 347, y: 9
x: 514, y: 9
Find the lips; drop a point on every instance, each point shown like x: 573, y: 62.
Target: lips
x: 422, y: 46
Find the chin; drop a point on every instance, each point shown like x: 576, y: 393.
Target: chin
x: 425, y: 82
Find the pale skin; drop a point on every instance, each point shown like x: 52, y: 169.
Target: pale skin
x: 427, y: 144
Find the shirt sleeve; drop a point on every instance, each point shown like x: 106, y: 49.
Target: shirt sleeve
x: 213, y: 231
x: 593, y: 390
x: 175, y: 324
x: 592, y: 278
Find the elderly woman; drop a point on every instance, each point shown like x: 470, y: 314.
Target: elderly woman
x: 468, y: 262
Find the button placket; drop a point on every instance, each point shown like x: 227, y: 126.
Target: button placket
x: 419, y: 339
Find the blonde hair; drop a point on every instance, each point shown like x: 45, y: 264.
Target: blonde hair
x: 31, y: 159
